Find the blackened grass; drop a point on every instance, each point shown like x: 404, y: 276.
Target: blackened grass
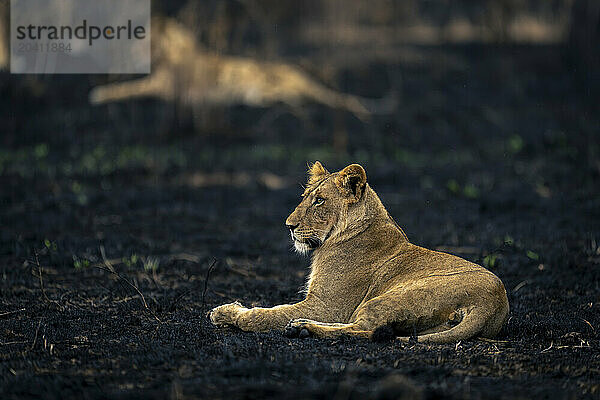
x: 210, y: 268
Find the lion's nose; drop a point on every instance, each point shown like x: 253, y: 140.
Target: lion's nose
x: 291, y: 227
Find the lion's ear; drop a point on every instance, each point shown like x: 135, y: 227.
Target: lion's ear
x: 316, y: 172
x: 352, y: 180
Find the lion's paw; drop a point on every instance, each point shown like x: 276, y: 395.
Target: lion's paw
x: 298, y: 328
x: 227, y: 314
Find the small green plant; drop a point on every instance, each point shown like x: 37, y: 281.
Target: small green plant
x: 80, y: 263
x: 151, y: 264
x: 76, y: 187
x: 40, y: 151
x: 79, y: 192
x: 50, y: 245
x: 490, y: 261
x: 470, y: 191
x: 515, y: 144
x: 453, y: 186
x: 532, y: 255
x: 131, y: 260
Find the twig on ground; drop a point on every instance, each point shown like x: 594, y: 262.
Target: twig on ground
x: 171, y: 307
x: 520, y: 285
x: 588, y: 322
x: 549, y: 347
x: 37, y: 262
x: 4, y: 314
x: 241, y: 271
x: 40, y: 273
x: 579, y: 346
x: 142, y: 298
x: 210, y: 268
x: 36, y: 335
x: 492, y: 340
x: 124, y: 300
x: 139, y: 292
x: 164, y: 258
x: 109, y: 268
x: 106, y: 262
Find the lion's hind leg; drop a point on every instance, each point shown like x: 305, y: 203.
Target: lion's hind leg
x: 305, y: 327
x: 470, y: 326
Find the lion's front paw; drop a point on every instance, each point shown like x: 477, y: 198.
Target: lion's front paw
x: 227, y: 314
x: 298, y: 328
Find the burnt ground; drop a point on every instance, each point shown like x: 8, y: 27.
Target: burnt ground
x: 494, y: 155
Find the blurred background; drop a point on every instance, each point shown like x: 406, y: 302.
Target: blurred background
x: 458, y: 98
x: 447, y: 75
x: 478, y: 123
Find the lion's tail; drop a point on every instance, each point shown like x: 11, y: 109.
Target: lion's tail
x: 477, y: 322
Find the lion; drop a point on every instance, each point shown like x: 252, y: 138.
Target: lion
x: 366, y: 277
x: 183, y: 71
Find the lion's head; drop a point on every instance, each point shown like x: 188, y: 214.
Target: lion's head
x: 325, y: 203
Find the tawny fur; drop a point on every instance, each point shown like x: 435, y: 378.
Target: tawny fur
x: 182, y: 71
x: 365, y: 274
x: 4, y: 34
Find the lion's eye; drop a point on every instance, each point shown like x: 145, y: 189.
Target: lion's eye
x: 319, y: 201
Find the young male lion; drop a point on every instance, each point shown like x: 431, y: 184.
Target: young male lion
x: 366, y: 275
